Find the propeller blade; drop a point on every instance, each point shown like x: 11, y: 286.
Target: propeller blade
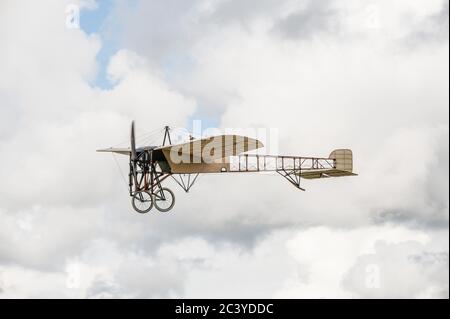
x: 133, y: 156
x: 133, y: 142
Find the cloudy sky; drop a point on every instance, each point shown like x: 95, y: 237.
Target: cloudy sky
x: 372, y: 76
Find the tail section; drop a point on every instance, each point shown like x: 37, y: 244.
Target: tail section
x: 342, y: 166
x: 343, y: 160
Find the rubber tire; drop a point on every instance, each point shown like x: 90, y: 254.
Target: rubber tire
x: 171, y: 205
x: 134, y: 205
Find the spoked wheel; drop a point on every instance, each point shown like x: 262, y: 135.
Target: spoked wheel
x: 142, y: 202
x: 164, y: 199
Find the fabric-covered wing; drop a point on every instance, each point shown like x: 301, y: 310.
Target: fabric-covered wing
x: 211, y: 149
x: 122, y: 151
x: 207, y: 155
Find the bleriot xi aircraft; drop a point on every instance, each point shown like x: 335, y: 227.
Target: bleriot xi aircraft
x: 151, y: 165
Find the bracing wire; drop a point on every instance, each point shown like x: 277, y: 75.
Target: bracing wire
x: 148, y: 137
x: 140, y: 137
x: 151, y: 139
x: 120, y: 170
x: 145, y: 138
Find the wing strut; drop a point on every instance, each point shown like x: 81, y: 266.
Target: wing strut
x: 292, y: 176
x: 185, y: 181
x: 166, y: 135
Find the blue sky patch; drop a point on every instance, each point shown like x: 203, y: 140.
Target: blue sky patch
x: 96, y: 21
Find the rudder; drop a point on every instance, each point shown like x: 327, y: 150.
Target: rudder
x: 344, y: 159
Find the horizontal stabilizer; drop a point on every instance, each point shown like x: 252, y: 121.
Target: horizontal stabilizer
x: 343, y: 166
x: 325, y: 174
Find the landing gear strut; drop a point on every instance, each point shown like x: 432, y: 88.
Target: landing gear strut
x: 145, y: 185
x: 145, y: 179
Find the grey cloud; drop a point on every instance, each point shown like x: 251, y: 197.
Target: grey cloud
x: 427, y: 258
x: 159, y: 281
x: 432, y: 29
x: 435, y: 188
x: 424, y: 273
x: 9, y: 115
x: 316, y: 18
x: 410, y: 218
x: 230, y: 232
x: 175, y: 26
x: 168, y: 29
x: 102, y: 288
x: 139, y: 281
x: 243, y: 12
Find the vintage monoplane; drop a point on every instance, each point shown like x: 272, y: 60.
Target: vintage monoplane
x: 149, y: 166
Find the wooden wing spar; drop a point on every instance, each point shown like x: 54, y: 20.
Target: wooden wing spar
x: 151, y: 165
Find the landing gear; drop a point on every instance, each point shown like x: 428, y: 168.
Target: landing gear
x: 142, y: 202
x: 145, y: 178
x: 164, y: 199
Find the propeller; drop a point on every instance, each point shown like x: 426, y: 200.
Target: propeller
x: 133, y: 156
x: 133, y: 142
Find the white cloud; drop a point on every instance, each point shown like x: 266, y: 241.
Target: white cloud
x: 423, y: 273
x: 333, y: 263
x: 56, y: 192
x: 316, y: 262
x: 374, y: 89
